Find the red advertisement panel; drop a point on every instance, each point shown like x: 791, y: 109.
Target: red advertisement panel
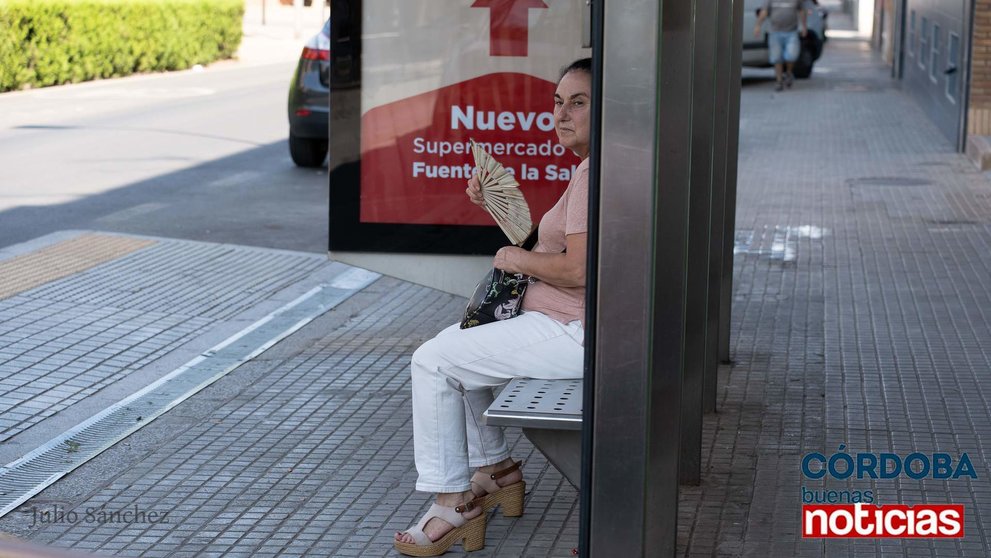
x: 416, y: 154
x: 419, y: 80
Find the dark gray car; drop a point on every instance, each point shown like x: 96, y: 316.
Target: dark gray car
x: 308, y: 102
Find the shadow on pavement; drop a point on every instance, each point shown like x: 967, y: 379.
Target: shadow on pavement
x: 256, y: 198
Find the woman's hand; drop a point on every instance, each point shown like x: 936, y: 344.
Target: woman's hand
x: 474, y: 191
x: 508, y: 259
x: 562, y: 270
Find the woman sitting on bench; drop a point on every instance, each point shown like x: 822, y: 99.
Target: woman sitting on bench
x: 454, y: 373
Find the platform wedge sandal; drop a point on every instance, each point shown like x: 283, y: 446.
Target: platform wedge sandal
x: 469, y: 532
x: 509, y: 497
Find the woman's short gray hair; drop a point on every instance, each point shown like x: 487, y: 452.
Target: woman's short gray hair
x: 580, y: 65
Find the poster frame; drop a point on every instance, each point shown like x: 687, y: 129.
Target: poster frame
x: 347, y: 233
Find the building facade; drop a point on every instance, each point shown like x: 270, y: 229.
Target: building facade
x: 979, y: 111
x: 941, y: 51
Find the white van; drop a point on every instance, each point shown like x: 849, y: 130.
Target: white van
x: 755, y: 50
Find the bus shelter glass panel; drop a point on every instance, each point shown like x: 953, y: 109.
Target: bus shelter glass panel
x: 434, y: 75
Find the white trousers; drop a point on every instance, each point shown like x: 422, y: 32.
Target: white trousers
x: 453, y: 377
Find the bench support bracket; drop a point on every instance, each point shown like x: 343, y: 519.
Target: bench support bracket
x: 563, y: 448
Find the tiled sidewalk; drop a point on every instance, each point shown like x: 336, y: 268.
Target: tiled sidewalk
x: 861, y: 315
x: 305, y: 450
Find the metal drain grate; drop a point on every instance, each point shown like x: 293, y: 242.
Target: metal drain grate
x: 29, y: 475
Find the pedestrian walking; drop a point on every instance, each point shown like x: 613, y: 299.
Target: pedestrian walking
x: 787, y: 22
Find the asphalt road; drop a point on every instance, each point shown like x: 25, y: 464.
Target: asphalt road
x: 192, y: 155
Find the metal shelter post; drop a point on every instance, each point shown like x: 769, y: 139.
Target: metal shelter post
x: 638, y: 349
x: 703, y: 97
x: 725, y: 141
x: 729, y: 199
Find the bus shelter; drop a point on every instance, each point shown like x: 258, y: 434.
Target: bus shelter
x: 414, y: 81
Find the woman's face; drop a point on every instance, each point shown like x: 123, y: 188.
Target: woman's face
x: 571, y: 111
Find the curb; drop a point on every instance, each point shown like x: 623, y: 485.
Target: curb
x: 979, y: 151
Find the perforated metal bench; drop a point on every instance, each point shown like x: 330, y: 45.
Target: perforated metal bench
x: 550, y: 414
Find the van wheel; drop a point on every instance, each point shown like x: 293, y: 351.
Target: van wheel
x: 307, y: 152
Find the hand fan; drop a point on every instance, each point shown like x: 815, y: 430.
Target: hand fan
x: 502, y: 195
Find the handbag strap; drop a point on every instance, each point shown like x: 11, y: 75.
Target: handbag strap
x: 531, y: 240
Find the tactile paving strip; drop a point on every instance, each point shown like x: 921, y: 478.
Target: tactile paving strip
x: 111, y: 305
x: 66, y: 258
x: 184, y: 277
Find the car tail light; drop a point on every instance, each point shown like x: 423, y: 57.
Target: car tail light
x: 302, y: 112
x: 315, y: 54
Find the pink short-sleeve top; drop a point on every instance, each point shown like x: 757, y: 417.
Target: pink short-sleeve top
x: 568, y: 216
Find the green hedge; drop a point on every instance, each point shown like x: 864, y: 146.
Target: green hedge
x: 50, y: 42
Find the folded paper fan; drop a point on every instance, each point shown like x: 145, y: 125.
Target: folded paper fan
x: 502, y: 195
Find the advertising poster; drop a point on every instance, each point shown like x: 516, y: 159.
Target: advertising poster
x: 436, y: 74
